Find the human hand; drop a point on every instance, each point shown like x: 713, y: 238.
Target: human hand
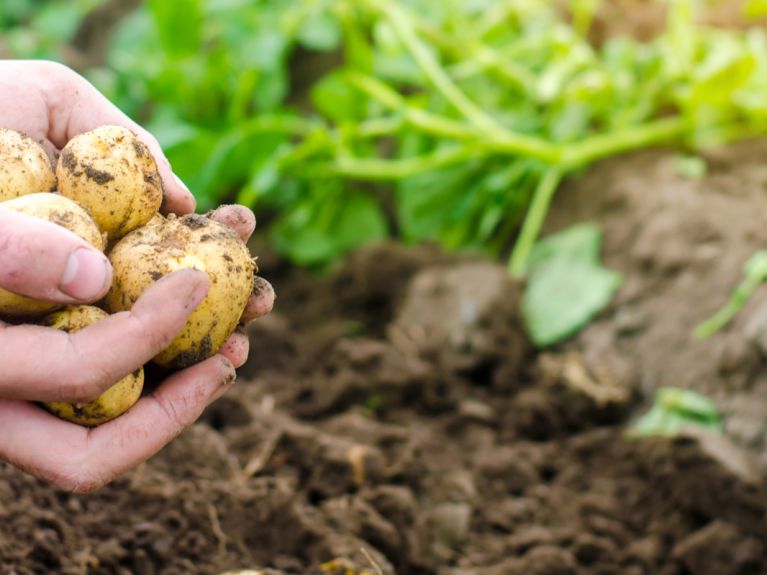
x: 52, y: 104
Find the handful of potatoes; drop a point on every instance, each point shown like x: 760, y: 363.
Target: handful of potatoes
x: 106, y: 189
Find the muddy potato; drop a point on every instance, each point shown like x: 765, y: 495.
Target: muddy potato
x: 114, y: 401
x: 63, y: 212
x: 191, y: 241
x: 112, y: 174
x: 24, y: 166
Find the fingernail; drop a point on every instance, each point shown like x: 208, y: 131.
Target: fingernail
x: 230, y: 377
x: 87, y: 275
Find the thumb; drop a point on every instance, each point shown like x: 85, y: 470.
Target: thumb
x: 44, y: 261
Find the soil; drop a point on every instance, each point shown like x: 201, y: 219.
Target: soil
x: 393, y: 418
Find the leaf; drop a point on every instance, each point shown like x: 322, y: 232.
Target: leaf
x: 566, y: 286
x: 579, y: 242
x: 179, y: 24
x: 336, y: 99
x: 673, y: 410
x: 320, y: 31
x: 755, y: 9
x: 314, y: 235
x: 754, y: 274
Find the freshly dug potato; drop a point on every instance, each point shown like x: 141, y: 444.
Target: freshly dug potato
x: 114, y: 401
x: 61, y: 211
x: 24, y: 166
x: 191, y: 241
x: 112, y: 174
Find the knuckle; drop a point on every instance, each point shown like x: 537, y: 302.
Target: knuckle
x: 80, y: 380
x: 155, y: 338
x: 172, y: 412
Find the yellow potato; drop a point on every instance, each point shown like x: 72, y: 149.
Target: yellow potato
x: 191, y: 241
x: 112, y: 174
x: 114, y: 401
x: 61, y: 211
x: 24, y: 166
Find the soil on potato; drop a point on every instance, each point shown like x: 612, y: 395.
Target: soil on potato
x: 393, y: 418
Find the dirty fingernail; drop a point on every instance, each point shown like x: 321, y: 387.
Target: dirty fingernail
x: 87, y: 275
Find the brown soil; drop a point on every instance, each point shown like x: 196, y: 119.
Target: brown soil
x: 392, y: 417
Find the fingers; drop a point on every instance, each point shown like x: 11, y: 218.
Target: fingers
x: 78, y: 367
x: 261, y: 300
x: 48, y: 262
x: 239, y: 218
x: 73, y: 106
x: 80, y: 460
x: 236, y: 349
x: 242, y: 220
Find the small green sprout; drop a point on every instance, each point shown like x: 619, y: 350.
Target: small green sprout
x: 675, y: 409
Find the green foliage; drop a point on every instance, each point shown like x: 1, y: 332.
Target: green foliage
x: 754, y: 274
x: 40, y: 29
x: 567, y: 286
x: 446, y: 121
x: 675, y: 409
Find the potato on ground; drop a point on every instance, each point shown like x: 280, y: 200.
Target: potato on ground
x: 63, y: 212
x: 24, y: 166
x: 114, y: 401
x: 191, y: 241
x: 112, y: 174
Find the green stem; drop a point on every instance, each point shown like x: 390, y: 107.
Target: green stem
x: 536, y: 213
x: 755, y: 271
x: 479, y: 57
x: 285, y: 124
x: 604, y: 145
x: 378, y: 127
x: 504, y: 142
x: 433, y: 70
x: 377, y: 169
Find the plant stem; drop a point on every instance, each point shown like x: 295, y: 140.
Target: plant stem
x: 505, y: 142
x: 755, y: 271
x: 479, y: 57
x: 604, y: 145
x: 378, y: 169
x: 536, y: 213
x: 403, y: 27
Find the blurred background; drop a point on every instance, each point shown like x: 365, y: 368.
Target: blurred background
x: 344, y: 122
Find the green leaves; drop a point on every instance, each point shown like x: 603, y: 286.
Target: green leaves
x: 318, y: 232
x: 755, y: 273
x: 567, y: 286
x: 179, y: 24
x: 458, y: 120
x: 675, y: 409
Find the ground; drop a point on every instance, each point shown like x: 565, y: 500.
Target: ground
x: 393, y: 417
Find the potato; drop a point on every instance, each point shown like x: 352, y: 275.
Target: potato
x: 191, y: 241
x: 24, y: 166
x: 114, y: 401
x: 61, y: 211
x: 112, y: 174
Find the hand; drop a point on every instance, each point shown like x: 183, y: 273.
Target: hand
x: 52, y: 104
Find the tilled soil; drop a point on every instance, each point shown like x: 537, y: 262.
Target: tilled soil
x: 393, y: 417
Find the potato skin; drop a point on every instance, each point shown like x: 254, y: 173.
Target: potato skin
x: 114, y: 401
x: 112, y: 174
x: 24, y: 166
x: 191, y: 241
x: 63, y: 212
